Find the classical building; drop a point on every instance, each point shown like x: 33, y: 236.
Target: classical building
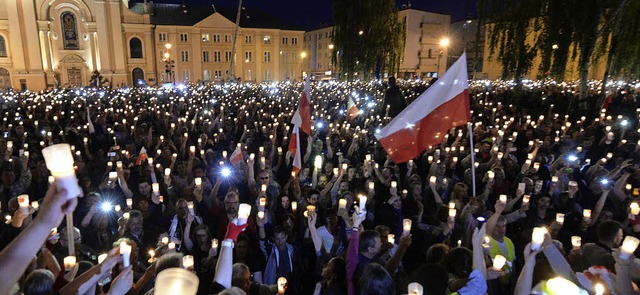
x: 62, y: 42
x: 423, y: 56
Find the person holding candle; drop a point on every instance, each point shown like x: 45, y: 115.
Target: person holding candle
x: 282, y: 258
x: 10, y: 184
x: 610, y: 236
x: 183, y: 225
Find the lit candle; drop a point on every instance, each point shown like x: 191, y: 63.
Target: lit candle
x: 560, y: 218
x: 599, y: 288
x: 503, y: 199
x: 491, y: 174
x: 433, y: 179
x: 452, y: 205
x: 125, y: 250
x: 635, y: 208
x: 187, y: 261
x: 394, y: 184
x: 282, y: 285
x: 498, y: 262
x: 198, y: 182
x: 406, y: 226
x: 263, y: 188
x: 119, y: 164
x: 554, y: 179
x: 190, y: 206
x: 526, y: 199
x: 586, y: 213
x: 345, y: 166
x: 125, y: 215
x: 415, y: 289
x: 311, y: 208
x: 629, y: 246
x: 452, y: 214
x: 165, y: 240
x: 113, y: 175
x: 243, y: 213
x: 342, y: 204
x: 171, y: 246
x: 537, y: 237
x: 35, y: 205
x: 214, y: 244
x: 23, y: 201
x: 155, y: 187
x: 576, y: 241
x: 294, y: 205
x: 391, y: 238
x: 69, y: 262
x: 167, y: 172
x: 363, y: 202
x: 59, y: 160
x: 129, y: 202
x: 263, y: 201
x: 260, y: 214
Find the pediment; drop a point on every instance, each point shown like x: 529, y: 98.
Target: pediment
x: 215, y: 20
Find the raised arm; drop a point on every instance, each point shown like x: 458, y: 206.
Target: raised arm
x: 525, y: 280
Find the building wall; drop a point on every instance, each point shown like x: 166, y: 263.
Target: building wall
x: 34, y: 34
x: 423, y: 32
x: 316, y: 46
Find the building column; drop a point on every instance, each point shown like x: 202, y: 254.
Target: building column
x: 103, y: 60
x: 120, y: 56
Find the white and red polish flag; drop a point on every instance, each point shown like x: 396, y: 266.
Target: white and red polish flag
x: 236, y: 157
x: 294, y: 148
x: 425, y: 122
x: 303, y: 113
x: 352, y: 109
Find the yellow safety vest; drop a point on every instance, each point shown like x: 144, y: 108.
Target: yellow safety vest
x: 494, y: 249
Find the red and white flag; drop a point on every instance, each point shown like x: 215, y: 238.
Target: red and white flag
x: 294, y: 148
x: 352, y: 109
x: 425, y: 122
x: 302, y: 115
x: 236, y: 157
x: 142, y: 156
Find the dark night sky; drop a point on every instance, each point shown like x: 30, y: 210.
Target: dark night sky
x: 311, y: 14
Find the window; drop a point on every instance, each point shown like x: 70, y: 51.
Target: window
x: 184, y: 55
x: 216, y: 38
x: 267, y: 56
x: 135, y: 48
x: 216, y: 56
x: 285, y: 40
x: 206, y: 56
x: 184, y: 37
x: 429, y: 53
x: 205, y: 38
x: 227, y: 56
x: 3, y: 47
x: 218, y: 74
x: 294, y: 41
x: 267, y: 39
x: 206, y: 75
x: 69, y: 31
x: 186, y: 75
x: 247, y: 39
x: 247, y: 56
x: 267, y: 75
x: 162, y: 37
x: 227, y: 38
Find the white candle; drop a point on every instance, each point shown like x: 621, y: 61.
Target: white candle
x: 155, y: 187
x: 629, y: 246
x: 69, y: 262
x: 176, y: 281
x: 342, y: 204
x: 394, y: 184
x: 586, y: 213
x: 125, y: 215
x: 537, y: 237
x: 165, y: 240
x: 35, y: 205
x: 262, y: 201
x: 554, y: 178
x: 433, y: 179
x: 452, y: 205
x: 406, y: 226
x: 635, y: 208
x: 560, y: 218
x: 102, y: 257
x: 282, y: 285
x: 452, y: 214
x: 243, y: 213
x: 311, y: 208
x: 317, y: 162
x: 391, y: 238
x: 59, y: 161
x: 372, y: 185
x: 129, y: 202
x: 113, y: 175
x: 263, y: 188
x: 125, y: 250
x: 415, y: 289
x: 499, y: 262
x: 563, y: 286
x: 198, y: 182
x: 503, y: 199
x: 23, y: 201
x: 260, y: 214
x: 576, y: 241
x: 526, y: 199
x: 363, y: 202
x: 171, y: 246
x: 119, y: 164
x: 345, y: 166
x: 214, y: 244
x: 187, y: 261
x: 192, y: 149
x: 190, y: 206
x: 167, y: 172
x: 294, y: 205
x: 491, y: 174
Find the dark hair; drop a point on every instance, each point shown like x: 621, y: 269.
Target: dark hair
x: 433, y: 277
x: 375, y: 280
x: 168, y: 261
x: 608, y: 230
x: 143, y: 180
x: 459, y: 262
x: 368, y: 239
x: 39, y: 282
x: 436, y: 253
x: 340, y: 270
x: 279, y: 229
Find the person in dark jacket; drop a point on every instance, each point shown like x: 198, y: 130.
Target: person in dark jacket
x: 394, y: 101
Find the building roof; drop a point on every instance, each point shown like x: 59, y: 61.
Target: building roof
x: 176, y: 14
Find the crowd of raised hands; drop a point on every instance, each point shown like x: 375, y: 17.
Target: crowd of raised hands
x: 193, y: 188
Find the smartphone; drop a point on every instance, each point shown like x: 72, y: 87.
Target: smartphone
x: 521, y: 186
x: 112, y: 154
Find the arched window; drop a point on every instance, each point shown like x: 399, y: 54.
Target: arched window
x: 3, y: 47
x: 135, y: 48
x: 69, y: 31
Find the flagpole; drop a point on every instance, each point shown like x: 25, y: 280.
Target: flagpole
x: 473, y: 160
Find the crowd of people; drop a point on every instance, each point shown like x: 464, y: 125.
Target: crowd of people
x: 169, y: 172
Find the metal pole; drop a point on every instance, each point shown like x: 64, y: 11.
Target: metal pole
x: 235, y: 38
x: 473, y: 160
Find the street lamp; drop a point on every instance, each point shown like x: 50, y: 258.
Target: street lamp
x: 169, y: 64
x: 444, y: 42
x: 331, y: 46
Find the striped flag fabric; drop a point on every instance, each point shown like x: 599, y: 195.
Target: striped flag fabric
x: 425, y: 122
x: 352, y: 109
x: 294, y: 148
x: 303, y: 113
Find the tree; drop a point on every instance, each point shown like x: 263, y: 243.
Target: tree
x: 367, y: 32
x: 98, y: 80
